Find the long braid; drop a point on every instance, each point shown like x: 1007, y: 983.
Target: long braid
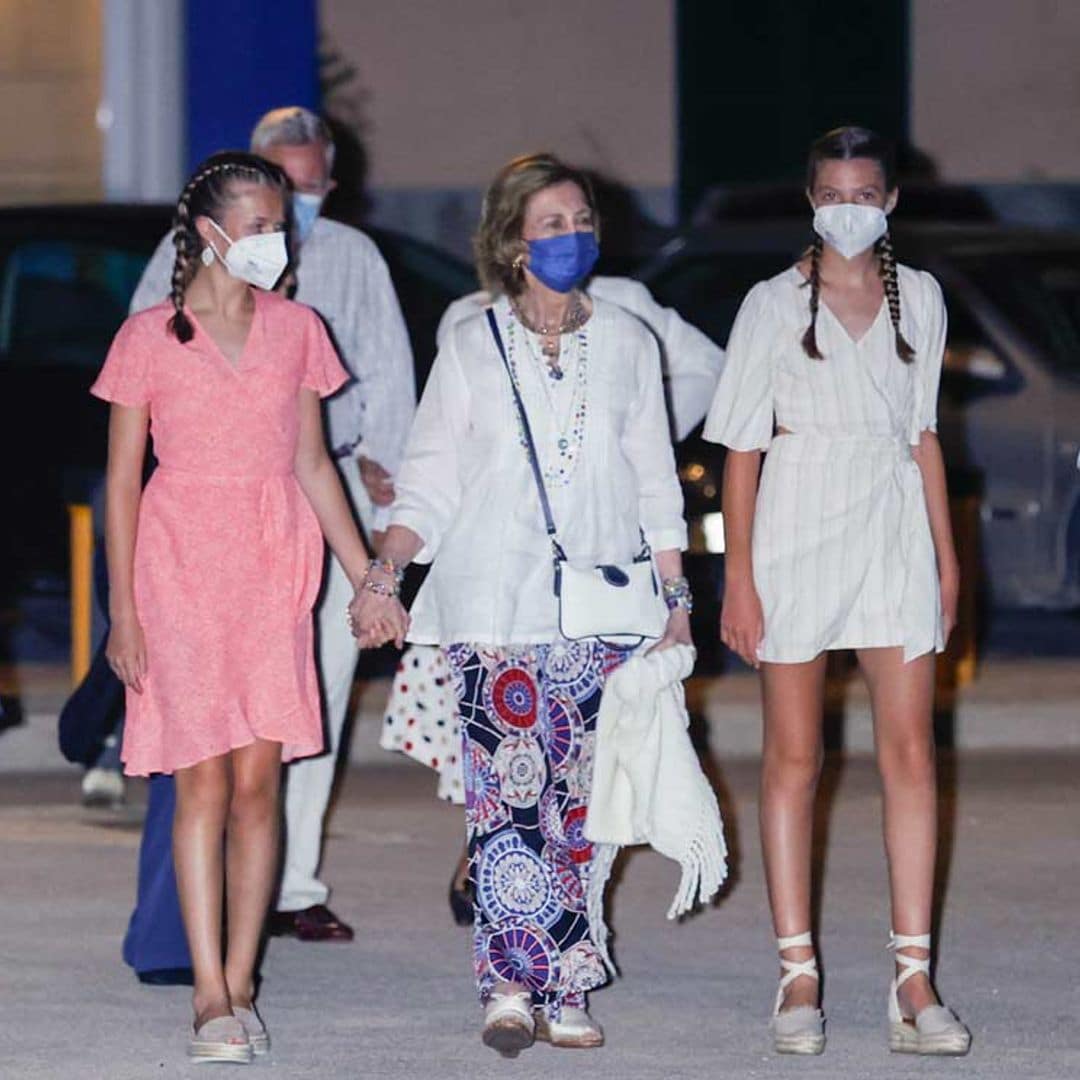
x: 201, y: 195
x: 186, y: 242
x: 809, y: 341
x: 887, y: 260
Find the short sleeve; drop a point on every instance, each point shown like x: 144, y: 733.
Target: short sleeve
x: 929, y: 356
x: 323, y: 371
x: 124, y: 378
x: 741, y: 414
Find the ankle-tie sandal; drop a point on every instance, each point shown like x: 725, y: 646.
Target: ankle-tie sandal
x: 800, y: 1030
x: 935, y: 1030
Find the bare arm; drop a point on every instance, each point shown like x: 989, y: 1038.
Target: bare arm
x: 401, y: 545
x: 931, y: 464
x: 741, y: 621
x: 321, y: 484
x: 126, y: 648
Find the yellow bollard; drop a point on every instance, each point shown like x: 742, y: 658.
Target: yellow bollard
x: 81, y: 519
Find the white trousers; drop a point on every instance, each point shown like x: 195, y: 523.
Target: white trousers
x: 309, y: 780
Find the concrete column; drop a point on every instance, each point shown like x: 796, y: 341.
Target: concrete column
x: 141, y: 115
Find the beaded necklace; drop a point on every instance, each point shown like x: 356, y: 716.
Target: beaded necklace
x: 570, y: 434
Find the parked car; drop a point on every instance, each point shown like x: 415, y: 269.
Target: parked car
x: 66, y: 277
x: 1009, y: 411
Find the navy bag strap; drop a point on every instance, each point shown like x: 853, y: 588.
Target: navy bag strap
x: 534, y: 461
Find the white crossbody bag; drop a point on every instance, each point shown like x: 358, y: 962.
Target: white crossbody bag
x: 619, y: 603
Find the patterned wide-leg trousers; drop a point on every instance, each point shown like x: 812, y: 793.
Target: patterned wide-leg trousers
x: 528, y: 716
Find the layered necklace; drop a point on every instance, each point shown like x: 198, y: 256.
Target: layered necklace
x: 551, y: 336
x: 570, y: 426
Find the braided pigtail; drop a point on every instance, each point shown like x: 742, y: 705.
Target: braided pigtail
x: 186, y: 242
x: 207, y: 194
x: 892, y: 294
x: 809, y: 341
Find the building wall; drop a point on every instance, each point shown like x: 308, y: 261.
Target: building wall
x: 50, y: 86
x: 445, y: 93
x: 995, y: 90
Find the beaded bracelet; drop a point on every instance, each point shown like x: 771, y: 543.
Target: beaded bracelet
x: 388, y: 566
x: 675, y: 586
x: 677, y: 594
x: 683, y: 600
x: 381, y: 589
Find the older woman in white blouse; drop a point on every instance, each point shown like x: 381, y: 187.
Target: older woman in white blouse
x: 589, y: 376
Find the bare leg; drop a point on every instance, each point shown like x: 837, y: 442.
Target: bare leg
x: 902, y: 696
x: 793, y: 698
x: 202, y: 799
x: 251, y: 858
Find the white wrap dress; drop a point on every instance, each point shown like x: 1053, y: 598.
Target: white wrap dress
x: 842, y: 552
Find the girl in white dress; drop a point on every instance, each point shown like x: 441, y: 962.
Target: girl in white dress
x: 843, y: 543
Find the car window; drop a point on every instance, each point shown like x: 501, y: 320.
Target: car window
x: 61, y: 302
x: 1040, y: 295
x: 708, y: 289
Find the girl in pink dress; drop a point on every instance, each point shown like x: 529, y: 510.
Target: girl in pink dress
x: 215, y: 567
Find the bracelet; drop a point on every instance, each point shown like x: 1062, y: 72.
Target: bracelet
x: 677, y: 594
x: 381, y: 589
x: 684, y: 601
x: 675, y: 586
x: 387, y: 566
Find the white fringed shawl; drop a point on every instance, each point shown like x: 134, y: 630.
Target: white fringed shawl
x: 648, y: 786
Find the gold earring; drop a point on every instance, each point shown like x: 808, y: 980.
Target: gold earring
x: 518, y: 263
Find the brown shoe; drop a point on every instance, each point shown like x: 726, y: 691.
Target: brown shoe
x: 316, y: 923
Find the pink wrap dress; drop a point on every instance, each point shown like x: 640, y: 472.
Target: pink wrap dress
x: 228, y: 552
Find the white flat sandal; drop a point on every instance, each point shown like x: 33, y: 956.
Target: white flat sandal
x: 576, y: 1029
x: 508, y: 1022
x: 222, y: 1039
x: 935, y: 1030
x: 255, y: 1028
x: 800, y: 1030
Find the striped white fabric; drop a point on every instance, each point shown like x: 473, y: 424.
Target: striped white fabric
x: 842, y: 552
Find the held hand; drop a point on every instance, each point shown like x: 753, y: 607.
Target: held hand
x: 379, y: 483
x: 742, y: 625
x: 126, y: 652
x: 375, y: 620
x: 677, y: 631
x: 950, y: 596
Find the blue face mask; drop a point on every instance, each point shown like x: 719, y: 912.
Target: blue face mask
x: 560, y: 262
x: 305, y: 210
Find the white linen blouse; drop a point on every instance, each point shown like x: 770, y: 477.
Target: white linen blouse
x: 691, y: 361
x: 467, y: 489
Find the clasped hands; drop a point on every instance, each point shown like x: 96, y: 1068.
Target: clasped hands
x: 377, y: 617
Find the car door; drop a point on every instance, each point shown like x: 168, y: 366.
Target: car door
x: 994, y: 422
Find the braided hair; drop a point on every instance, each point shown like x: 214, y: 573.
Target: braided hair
x: 206, y: 194
x: 845, y: 144
x: 889, y: 278
x: 809, y: 341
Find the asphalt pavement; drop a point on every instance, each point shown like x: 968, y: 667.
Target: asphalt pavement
x: 693, y: 999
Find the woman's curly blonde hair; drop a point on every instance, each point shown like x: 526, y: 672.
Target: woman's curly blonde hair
x: 497, y: 245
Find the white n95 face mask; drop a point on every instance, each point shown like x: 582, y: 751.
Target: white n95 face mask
x: 850, y: 228
x: 259, y: 260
